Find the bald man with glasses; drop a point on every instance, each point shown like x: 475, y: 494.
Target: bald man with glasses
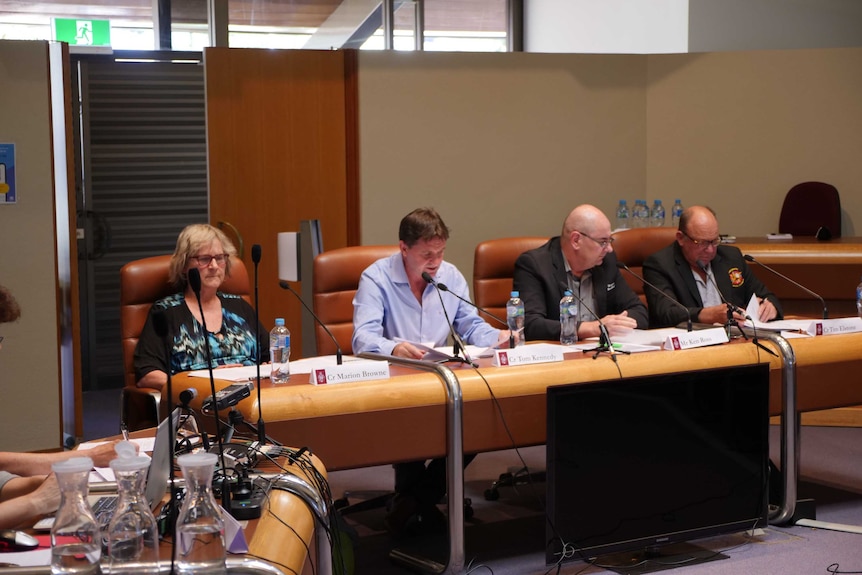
x: 580, y: 259
x: 690, y: 269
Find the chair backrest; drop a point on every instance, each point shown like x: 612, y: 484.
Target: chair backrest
x: 493, y: 268
x: 144, y: 281
x: 634, y: 245
x: 809, y: 206
x: 336, y: 279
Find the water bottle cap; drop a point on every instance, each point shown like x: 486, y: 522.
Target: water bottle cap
x: 279, y: 321
x: 125, y: 449
x: 73, y: 465
x: 514, y: 294
x: 567, y: 292
x: 197, y: 459
x: 622, y: 202
x: 130, y: 463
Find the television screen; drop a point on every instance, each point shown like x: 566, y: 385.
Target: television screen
x: 646, y: 461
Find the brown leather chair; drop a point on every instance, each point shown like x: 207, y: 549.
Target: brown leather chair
x: 808, y: 207
x: 336, y: 279
x: 142, y: 282
x: 493, y: 268
x: 634, y: 245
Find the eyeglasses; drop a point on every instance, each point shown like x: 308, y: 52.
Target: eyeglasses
x: 604, y: 243
x: 703, y: 244
x: 204, y: 261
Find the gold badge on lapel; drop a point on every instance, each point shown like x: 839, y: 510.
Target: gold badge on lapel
x: 736, y: 278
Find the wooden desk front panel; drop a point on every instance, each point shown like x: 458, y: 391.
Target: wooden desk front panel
x: 403, y: 418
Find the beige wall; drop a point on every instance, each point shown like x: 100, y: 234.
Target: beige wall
x: 29, y: 368
x: 738, y: 129
x: 500, y: 144
x: 506, y: 144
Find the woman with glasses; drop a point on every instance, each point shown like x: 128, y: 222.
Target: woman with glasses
x: 229, y: 319
x: 701, y: 273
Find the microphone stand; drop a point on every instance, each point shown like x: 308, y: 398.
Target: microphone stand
x: 605, y: 344
x: 445, y: 288
x: 195, y: 282
x: 160, y: 325
x: 261, y: 426
x: 661, y: 292
x: 284, y: 285
x: 732, y: 308
x: 749, y: 258
x: 458, y: 342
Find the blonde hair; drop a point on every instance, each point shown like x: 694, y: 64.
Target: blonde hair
x: 190, y: 240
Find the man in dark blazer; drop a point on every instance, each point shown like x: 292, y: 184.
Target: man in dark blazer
x: 689, y: 269
x: 581, y: 259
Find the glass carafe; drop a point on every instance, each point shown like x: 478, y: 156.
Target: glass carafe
x: 200, y: 542
x: 76, y: 545
x: 133, y: 537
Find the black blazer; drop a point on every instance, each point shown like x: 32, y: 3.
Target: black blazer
x: 540, y: 277
x: 668, y: 270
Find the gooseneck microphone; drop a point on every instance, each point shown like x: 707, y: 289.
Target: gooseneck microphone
x: 664, y: 294
x: 605, y: 343
x: 195, y: 283
x: 285, y: 285
x: 749, y: 258
x: 445, y: 288
x: 261, y: 426
x: 459, y: 343
x: 160, y: 326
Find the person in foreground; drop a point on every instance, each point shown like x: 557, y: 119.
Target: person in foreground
x: 580, y: 259
x: 394, y: 303
x: 689, y: 269
x: 28, y: 489
x: 229, y: 319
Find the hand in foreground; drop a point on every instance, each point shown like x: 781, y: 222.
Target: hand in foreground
x: 408, y: 350
x: 767, y: 310
x: 717, y: 314
x: 46, y: 498
x: 102, y: 454
x: 619, y: 324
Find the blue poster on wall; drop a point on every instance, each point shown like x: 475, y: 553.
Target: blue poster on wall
x: 8, y: 194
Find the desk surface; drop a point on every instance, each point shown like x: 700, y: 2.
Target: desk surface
x: 403, y: 418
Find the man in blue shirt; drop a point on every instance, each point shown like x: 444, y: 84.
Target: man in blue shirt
x: 393, y: 309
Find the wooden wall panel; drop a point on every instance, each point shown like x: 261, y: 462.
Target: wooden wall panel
x: 278, y: 126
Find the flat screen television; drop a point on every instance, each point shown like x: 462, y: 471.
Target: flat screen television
x: 638, y: 463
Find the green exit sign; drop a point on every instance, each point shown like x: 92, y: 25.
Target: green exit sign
x: 82, y: 32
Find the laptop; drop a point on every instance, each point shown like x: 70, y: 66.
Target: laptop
x: 157, y: 479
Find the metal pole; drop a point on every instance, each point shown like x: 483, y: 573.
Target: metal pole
x: 388, y: 25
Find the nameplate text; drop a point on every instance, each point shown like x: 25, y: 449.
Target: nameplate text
x: 527, y: 354
x: 698, y: 338
x: 349, y: 372
x: 835, y: 326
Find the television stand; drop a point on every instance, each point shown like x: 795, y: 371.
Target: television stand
x: 653, y: 559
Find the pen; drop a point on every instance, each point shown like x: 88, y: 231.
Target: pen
x: 125, y: 431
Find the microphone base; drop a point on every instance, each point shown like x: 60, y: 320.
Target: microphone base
x: 251, y: 508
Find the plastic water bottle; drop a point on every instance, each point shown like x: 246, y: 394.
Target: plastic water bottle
x: 515, y: 317
x: 657, y: 214
x: 199, y: 540
x: 76, y: 543
x: 676, y: 213
x: 622, y: 216
x: 568, y: 319
x: 859, y: 299
x: 279, y: 352
x: 133, y: 536
x: 640, y: 216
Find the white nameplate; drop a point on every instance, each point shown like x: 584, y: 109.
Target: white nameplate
x: 349, y: 372
x: 698, y: 338
x: 835, y: 326
x: 527, y: 354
